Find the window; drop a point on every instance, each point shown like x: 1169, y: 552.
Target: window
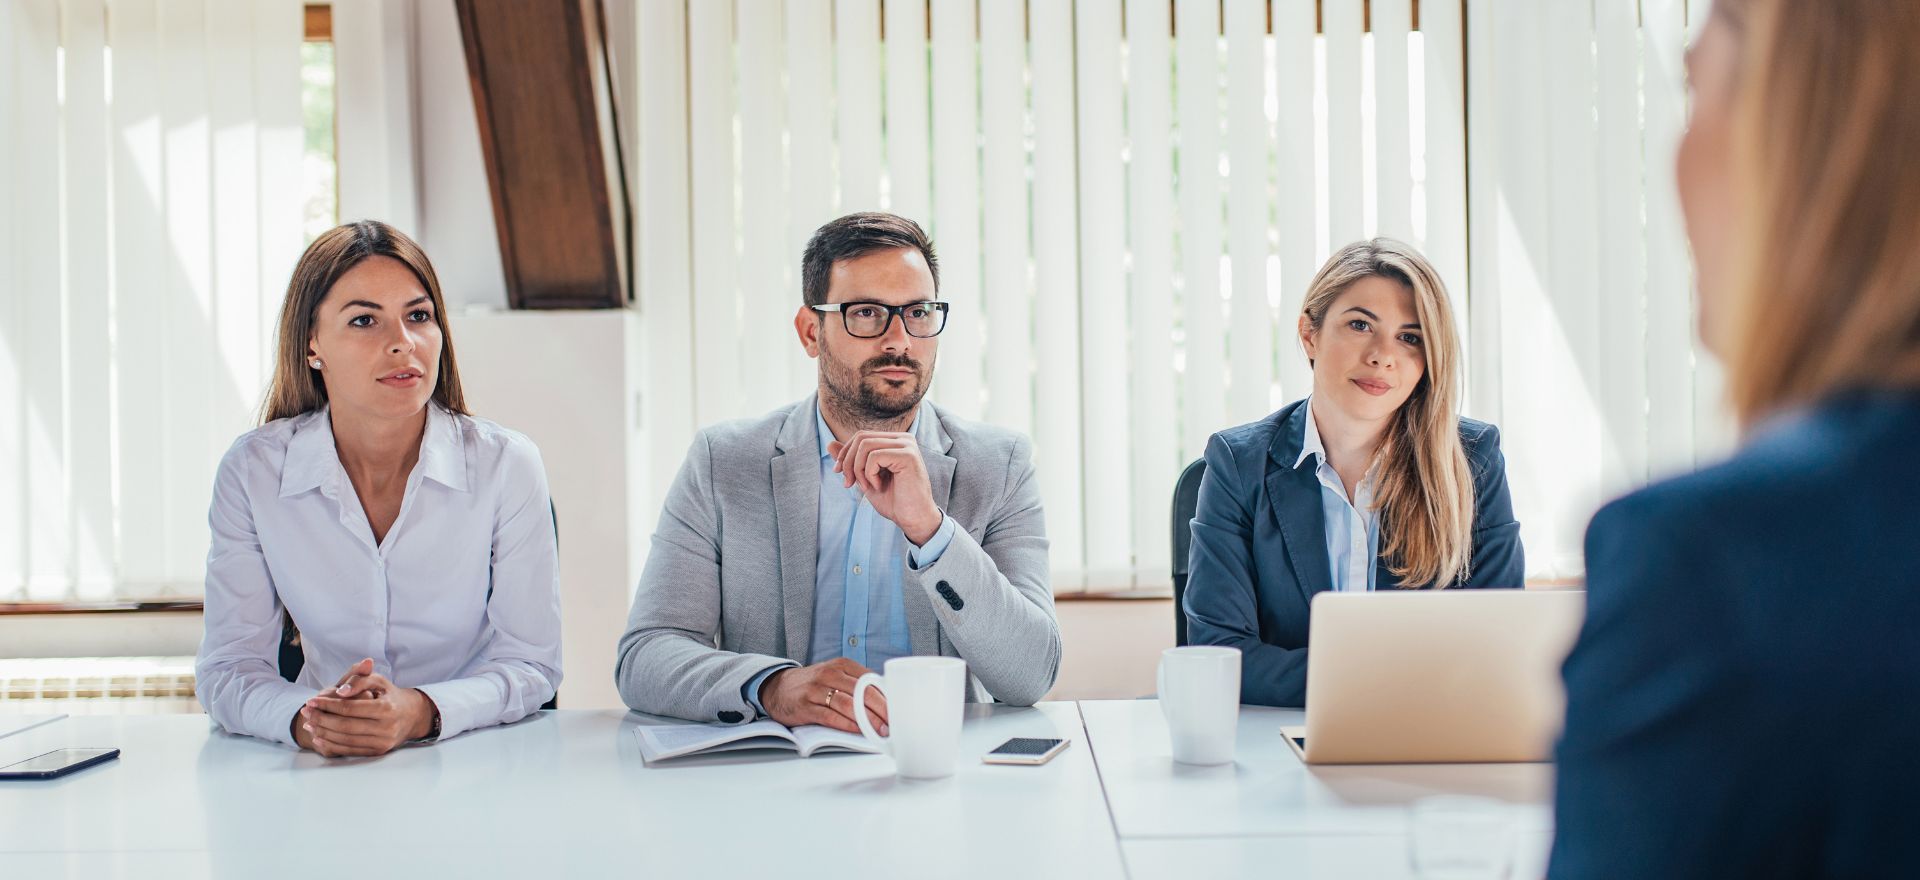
x: 1129, y: 206
x: 155, y: 223
x: 319, y: 174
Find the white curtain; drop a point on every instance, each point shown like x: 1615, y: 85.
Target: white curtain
x: 150, y: 166
x: 1128, y: 198
x: 1129, y: 201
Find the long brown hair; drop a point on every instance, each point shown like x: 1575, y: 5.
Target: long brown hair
x: 1824, y: 290
x: 1425, y: 495
x: 296, y: 387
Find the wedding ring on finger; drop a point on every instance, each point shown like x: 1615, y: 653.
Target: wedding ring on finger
x: 831, y: 693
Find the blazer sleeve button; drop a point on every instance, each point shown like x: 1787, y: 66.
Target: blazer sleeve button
x: 731, y: 717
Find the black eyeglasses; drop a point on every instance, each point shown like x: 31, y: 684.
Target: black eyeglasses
x: 867, y: 320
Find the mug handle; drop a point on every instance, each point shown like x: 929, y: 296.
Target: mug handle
x: 1160, y: 688
x: 868, y: 680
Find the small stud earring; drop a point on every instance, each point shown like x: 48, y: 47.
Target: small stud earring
x: 315, y: 363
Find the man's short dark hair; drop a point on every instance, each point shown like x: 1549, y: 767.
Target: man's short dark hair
x: 857, y: 235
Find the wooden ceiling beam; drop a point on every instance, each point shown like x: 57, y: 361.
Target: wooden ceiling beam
x: 543, y: 96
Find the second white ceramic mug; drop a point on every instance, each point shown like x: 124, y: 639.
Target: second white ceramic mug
x: 925, y: 696
x: 1200, y: 696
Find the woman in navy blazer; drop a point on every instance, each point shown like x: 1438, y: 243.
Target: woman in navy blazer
x: 1744, y: 697
x: 1373, y: 482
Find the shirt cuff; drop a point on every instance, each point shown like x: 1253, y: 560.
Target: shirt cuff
x: 929, y: 553
x: 276, y: 718
x: 751, y: 690
x: 464, y: 704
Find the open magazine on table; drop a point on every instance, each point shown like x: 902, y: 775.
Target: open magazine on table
x: 661, y: 742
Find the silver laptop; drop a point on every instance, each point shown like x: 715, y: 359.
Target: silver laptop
x: 1436, y: 676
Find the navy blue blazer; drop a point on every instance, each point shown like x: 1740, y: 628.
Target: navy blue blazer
x: 1260, y: 548
x: 1744, y: 697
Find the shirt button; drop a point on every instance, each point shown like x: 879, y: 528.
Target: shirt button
x: 856, y: 569
x: 854, y: 641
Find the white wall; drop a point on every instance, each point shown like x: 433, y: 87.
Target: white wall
x: 108, y: 634
x: 409, y: 148
x: 456, y: 208
x: 375, y: 100
x: 565, y: 379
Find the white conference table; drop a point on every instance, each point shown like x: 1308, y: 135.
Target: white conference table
x: 566, y: 793
x: 12, y: 724
x: 1268, y: 813
x: 561, y: 794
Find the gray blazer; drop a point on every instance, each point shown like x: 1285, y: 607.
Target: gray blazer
x: 728, y: 587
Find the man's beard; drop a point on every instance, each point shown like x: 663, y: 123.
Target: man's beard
x: 866, y: 404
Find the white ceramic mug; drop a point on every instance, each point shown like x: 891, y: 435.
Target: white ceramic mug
x: 925, y: 696
x: 1200, y: 696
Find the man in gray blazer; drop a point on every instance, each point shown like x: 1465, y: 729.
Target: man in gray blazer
x: 799, y: 550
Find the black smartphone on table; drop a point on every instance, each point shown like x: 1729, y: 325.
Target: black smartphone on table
x: 1025, y: 750
x: 57, y: 763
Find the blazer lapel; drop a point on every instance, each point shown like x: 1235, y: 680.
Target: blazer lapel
x: 796, y: 496
x: 923, y: 628
x: 1294, y: 494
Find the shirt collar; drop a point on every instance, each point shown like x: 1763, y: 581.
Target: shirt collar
x: 1310, y: 444
x: 821, y: 431
x: 824, y: 434
x: 312, y: 459
x: 1310, y: 441
x: 443, y: 457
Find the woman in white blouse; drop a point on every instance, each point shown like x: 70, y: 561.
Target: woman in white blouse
x: 412, y: 544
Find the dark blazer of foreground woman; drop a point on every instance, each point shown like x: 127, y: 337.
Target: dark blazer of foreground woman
x: 1260, y: 553
x: 1744, y: 697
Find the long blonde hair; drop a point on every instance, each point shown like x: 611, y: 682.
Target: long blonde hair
x: 1824, y: 289
x: 1425, y: 489
x: 296, y: 387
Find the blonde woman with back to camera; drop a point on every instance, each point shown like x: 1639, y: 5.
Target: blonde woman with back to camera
x: 410, y: 543
x: 1744, y: 694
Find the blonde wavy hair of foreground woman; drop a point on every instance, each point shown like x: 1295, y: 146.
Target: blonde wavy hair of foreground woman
x: 1824, y: 291
x: 1425, y: 487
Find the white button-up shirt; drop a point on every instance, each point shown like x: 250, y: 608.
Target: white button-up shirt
x: 461, y: 599
x: 1353, y: 527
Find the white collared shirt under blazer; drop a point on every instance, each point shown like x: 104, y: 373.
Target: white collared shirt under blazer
x: 461, y: 599
x: 1353, y: 525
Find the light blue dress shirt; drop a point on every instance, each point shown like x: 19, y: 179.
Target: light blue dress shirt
x: 859, y: 604
x: 1353, y: 527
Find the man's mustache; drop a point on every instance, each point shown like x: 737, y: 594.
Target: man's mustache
x: 886, y: 361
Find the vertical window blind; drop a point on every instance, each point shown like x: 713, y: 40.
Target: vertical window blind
x: 1129, y: 198
x: 150, y: 173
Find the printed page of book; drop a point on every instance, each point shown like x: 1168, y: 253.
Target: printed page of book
x: 659, y: 742
x: 819, y: 738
